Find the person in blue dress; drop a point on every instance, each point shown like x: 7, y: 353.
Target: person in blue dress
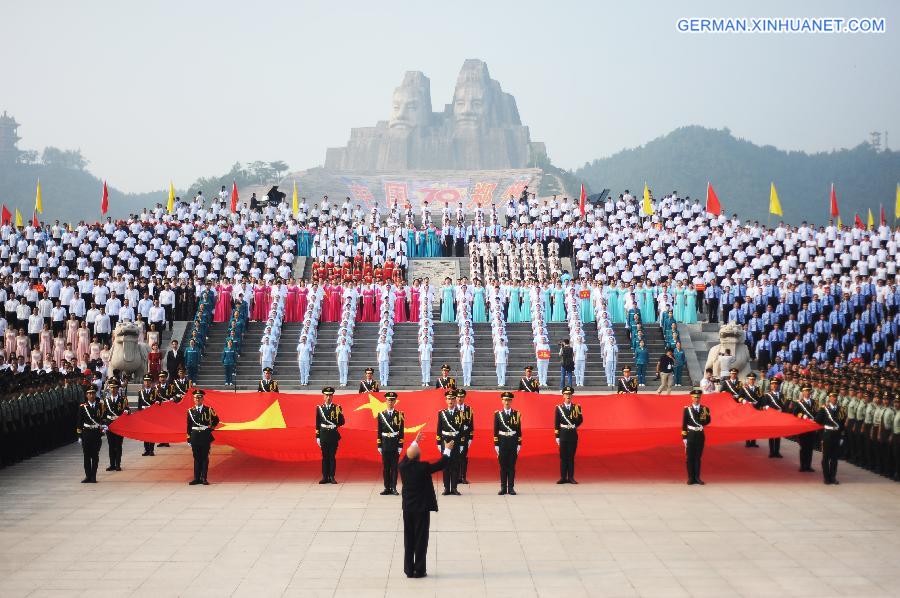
x: 679, y: 303
x: 448, y: 293
x: 525, y: 310
x: 303, y: 242
x: 559, y: 308
x: 545, y: 299
x: 433, y: 246
x: 648, y: 299
x: 621, y: 291
x: 479, y: 311
x: 513, y: 312
x: 690, y: 305
x: 585, y: 305
x: 641, y: 359
x: 411, y: 248
x: 680, y: 363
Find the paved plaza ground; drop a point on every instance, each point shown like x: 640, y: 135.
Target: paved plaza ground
x: 631, y: 528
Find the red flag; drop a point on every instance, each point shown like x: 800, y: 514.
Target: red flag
x: 883, y: 221
x: 34, y: 220
x: 712, y: 201
x: 6, y: 216
x: 234, y: 197
x: 582, y: 199
x: 104, y: 201
x: 834, y: 207
x: 858, y: 222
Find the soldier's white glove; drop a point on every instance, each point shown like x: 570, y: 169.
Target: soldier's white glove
x: 399, y: 450
x: 104, y: 428
x: 497, y: 449
x: 557, y: 441
x: 469, y: 444
x: 379, y: 451
x: 518, y: 448
x: 684, y: 441
x: 79, y: 441
x: 318, y: 443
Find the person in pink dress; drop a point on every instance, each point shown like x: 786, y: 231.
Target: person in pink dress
x: 368, y: 304
x: 223, y: 302
x: 72, y: 331
x: 45, y: 343
x: 23, y: 345
x: 84, y: 342
x: 400, y: 304
x: 302, y: 301
x: 259, y: 312
x: 9, y: 341
x: 267, y: 291
x: 337, y: 302
x: 152, y: 336
x: 94, y: 350
x: 414, y: 301
x: 59, y: 349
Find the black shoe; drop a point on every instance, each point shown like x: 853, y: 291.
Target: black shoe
x: 463, y: 482
x: 145, y: 454
x: 86, y: 481
x: 385, y: 492
x: 118, y: 468
x: 422, y: 574
x: 394, y: 492
x: 204, y: 482
x: 324, y: 481
x: 501, y: 493
x: 445, y: 493
x: 691, y: 482
x: 456, y: 493
x: 193, y: 482
x: 92, y: 481
x: 561, y: 481
x: 332, y: 481
x: 572, y: 481
x: 699, y: 481
x: 512, y: 492
x: 110, y: 468
x: 835, y: 482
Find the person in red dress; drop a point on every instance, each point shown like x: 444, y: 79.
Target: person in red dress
x: 388, y: 271
x: 259, y: 312
x: 302, y: 301
x: 414, y: 301
x: 290, y: 301
x: 400, y: 304
x: 223, y: 301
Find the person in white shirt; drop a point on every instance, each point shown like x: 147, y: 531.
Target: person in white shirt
x: 103, y: 327
x: 467, y: 357
x: 383, y: 355
x: 610, y: 357
x: 343, y: 361
x: 425, y: 350
x: 501, y: 358
x: 157, y: 315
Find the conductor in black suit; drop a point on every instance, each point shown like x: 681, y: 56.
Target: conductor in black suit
x: 419, y: 500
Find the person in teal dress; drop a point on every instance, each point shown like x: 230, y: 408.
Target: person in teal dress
x: 545, y: 299
x: 679, y: 303
x: 525, y: 310
x: 513, y: 311
x: 479, y: 312
x: 585, y: 305
x: 447, y: 301
x: 303, y: 244
x: 690, y: 305
x: 621, y: 291
x: 648, y: 312
x: 559, y: 305
x: 680, y: 363
x: 411, y: 249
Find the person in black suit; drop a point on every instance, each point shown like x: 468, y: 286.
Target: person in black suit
x: 419, y: 500
x: 567, y: 418
x: 695, y: 417
x: 201, y: 420
x: 174, y: 359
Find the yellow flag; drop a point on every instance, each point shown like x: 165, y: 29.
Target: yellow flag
x: 840, y: 224
x: 897, y: 203
x: 296, y: 205
x: 774, y: 204
x: 648, y: 207
x: 38, y: 202
x: 18, y: 218
x: 171, y: 206
x: 871, y: 220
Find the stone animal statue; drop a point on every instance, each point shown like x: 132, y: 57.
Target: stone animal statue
x: 731, y: 336
x: 127, y: 354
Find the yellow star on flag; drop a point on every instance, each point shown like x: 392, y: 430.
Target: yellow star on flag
x: 270, y: 419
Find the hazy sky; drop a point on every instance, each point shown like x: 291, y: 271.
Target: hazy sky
x: 157, y: 90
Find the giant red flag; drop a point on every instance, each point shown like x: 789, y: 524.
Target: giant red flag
x: 712, y: 201
x: 582, y: 200
x: 234, y: 197
x: 834, y: 207
x: 6, y: 216
x: 282, y: 426
x: 104, y: 200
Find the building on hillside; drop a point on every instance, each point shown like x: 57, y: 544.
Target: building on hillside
x: 9, y: 138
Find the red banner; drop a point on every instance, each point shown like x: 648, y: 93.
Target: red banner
x: 282, y: 426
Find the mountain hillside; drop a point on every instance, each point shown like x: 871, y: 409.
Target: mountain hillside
x: 740, y: 171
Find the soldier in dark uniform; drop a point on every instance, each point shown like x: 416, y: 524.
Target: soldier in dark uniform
x: 369, y: 383
x: 267, y: 384
x: 445, y: 381
x: 390, y: 442
x: 163, y: 394
x: 693, y: 421
x: 115, y: 404
x: 90, y: 429
x: 567, y: 418
x: 830, y: 416
x: 507, y: 443
x: 449, y: 427
x: 774, y: 400
x: 805, y: 409
x: 750, y: 394
x: 201, y: 420
x: 146, y: 398
x: 180, y: 385
x: 329, y: 418
x: 732, y: 385
x: 528, y: 383
x: 626, y: 384
x: 468, y: 432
